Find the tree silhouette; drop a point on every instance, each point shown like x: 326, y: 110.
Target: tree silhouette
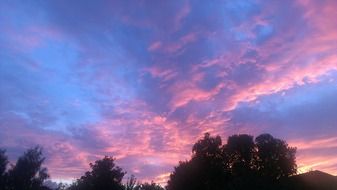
x: 239, y: 164
x: 208, y: 147
x: 104, y: 175
x: 3, y: 162
x: 209, y: 158
x: 3, y: 167
x: 28, y: 172
x: 275, y: 158
x: 240, y: 154
x: 185, y: 176
x: 206, y: 169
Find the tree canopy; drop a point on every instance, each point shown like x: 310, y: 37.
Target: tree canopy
x: 275, y: 158
x: 241, y: 163
x: 104, y: 175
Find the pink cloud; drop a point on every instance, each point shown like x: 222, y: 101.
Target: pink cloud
x: 163, y: 74
x: 186, y: 91
x: 173, y: 46
x: 155, y: 46
x: 309, y: 156
x: 65, y: 159
x: 290, y: 64
x: 31, y: 37
x: 130, y: 137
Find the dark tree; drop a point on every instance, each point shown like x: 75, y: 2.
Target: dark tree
x: 240, y: 151
x: 240, y: 164
x: 104, y: 175
x: 240, y: 154
x: 28, y: 172
x: 208, y: 147
x: 3, y: 167
x: 3, y: 162
x: 185, y: 176
x: 205, y: 171
x: 275, y: 158
x: 208, y: 157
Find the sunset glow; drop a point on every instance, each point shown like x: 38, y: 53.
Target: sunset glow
x: 143, y: 80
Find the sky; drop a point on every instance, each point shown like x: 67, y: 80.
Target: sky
x: 142, y: 80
